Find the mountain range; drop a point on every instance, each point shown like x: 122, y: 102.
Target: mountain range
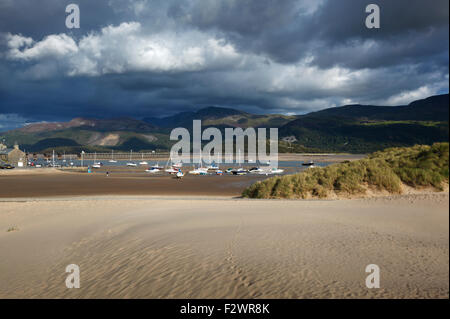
x: 350, y: 128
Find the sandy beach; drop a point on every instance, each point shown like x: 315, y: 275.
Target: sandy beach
x: 206, y: 247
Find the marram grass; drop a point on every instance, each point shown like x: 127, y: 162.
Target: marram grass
x: 417, y: 166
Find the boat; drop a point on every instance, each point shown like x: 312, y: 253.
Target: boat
x: 219, y: 172
x: 310, y: 163
x: 255, y: 170
x: 199, y: 171
x: 276, y: 170
x: 171, y: 170
x: 270, y: 171
x: 143, y: 162
x: 213, y: 167
x: 112, y: 158
x: 157, y: 167
x: 239, y: 171
x: 153, y: 170
x: 96, y: 164
x: 130, y: 163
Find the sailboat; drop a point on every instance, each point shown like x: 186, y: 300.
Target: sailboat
x: 130, y: 163
x: 157, y: 167
x: 112, y: 158
x: 153, y: 170
x: 239, y: 171
x: 213, y: 166
x: 96, y: 164
x: 200, y: 170
x: 174, y: 168
x: 255, y: 170
x: 64, y: 157
x: 143, y: 162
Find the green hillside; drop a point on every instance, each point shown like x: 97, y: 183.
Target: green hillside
x: 364, y: 129
x: 417, y: 166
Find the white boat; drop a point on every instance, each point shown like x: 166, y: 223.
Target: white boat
x: 143, y: 162
x: 130, y: 163
x: 213, y: 167
x: 199, y: 171
x: 96, y: 164
x: 171, y: 170
x: 153, y: 170
x: 255, y: 170
x: 276, y: 170
x: 270, y: 171
x: 112, y: 158
x: 157, y: 167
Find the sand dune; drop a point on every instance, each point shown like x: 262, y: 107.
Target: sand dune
x: 146, y: 247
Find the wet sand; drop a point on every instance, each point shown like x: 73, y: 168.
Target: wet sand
x: 56, y: 183
x: 188, y: 247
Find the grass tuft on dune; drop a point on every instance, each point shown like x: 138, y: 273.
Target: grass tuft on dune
x: 388, y: 170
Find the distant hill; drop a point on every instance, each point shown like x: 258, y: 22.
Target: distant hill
x: 116, y: 124
x: 220, y: 117
x: 350, y: 128
x: 434, y: 108
x: 367, y: 128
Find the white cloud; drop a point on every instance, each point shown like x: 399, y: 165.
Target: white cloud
x: 124, y: 48
x: 52, y: 46
x: 407, y: 97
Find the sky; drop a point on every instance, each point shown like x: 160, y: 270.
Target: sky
x: 153, y: 58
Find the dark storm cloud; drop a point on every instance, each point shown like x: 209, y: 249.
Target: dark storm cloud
x: 157, y: 57
x: 333, y: 33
